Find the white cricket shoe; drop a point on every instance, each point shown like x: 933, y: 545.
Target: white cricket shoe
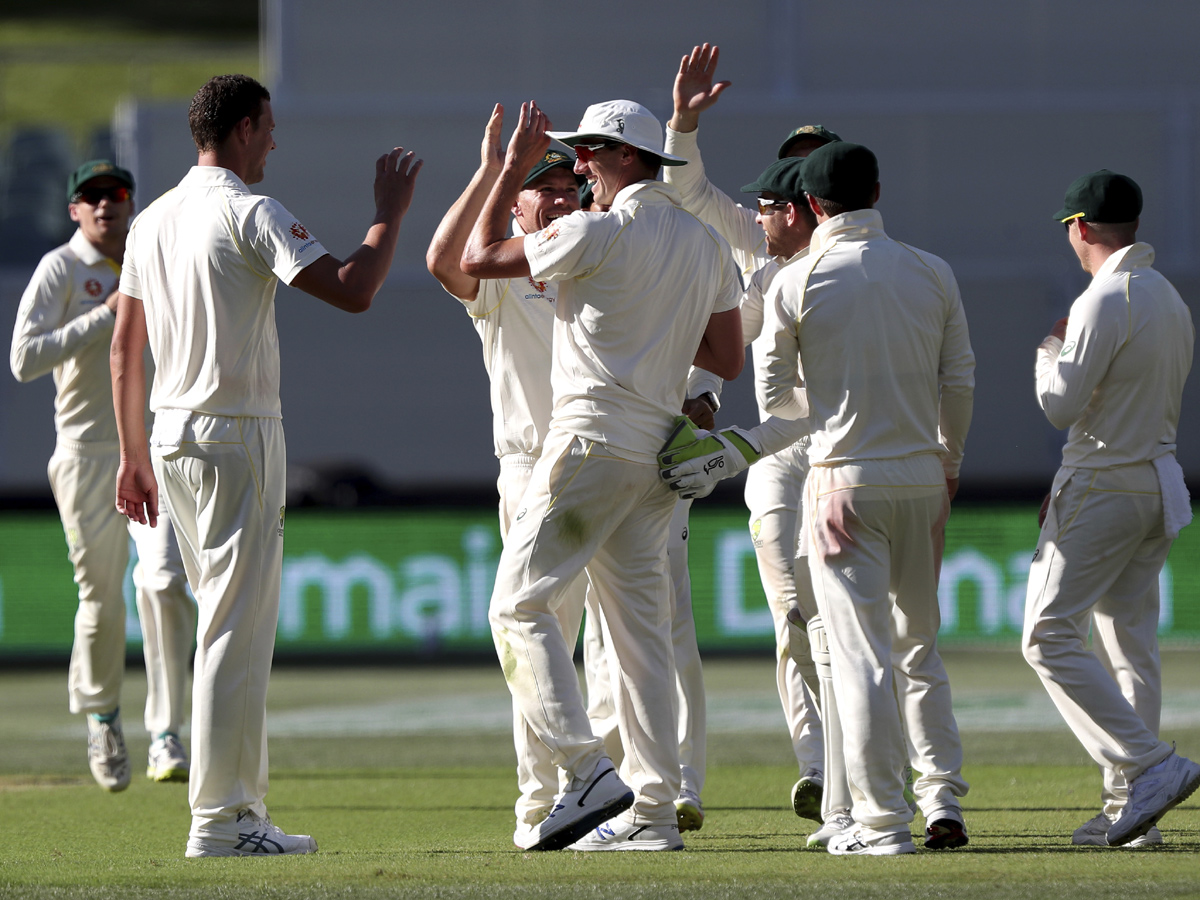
x: 1152, y: 794
x: 862, y: 841
x: 619, y: 834
x: 526, y: 832
x: 257, y: 836
x: 107, y: 757
x: 833, y: 826
x: 1094, y: 833
x: 586, y: 803
x: 168, y: 760
x: 689, y: 811
x: 806, y: 794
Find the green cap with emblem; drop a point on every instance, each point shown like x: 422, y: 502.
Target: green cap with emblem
x: 816, y: 132
x: 552, y: 160
x: 784, y: 177
x: 1102, y: 196
x: 95, y: 168
x: 843, y: 173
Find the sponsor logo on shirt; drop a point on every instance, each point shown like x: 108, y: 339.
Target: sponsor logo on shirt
x: 1067, y: 349
x: 93, y: 287
x: 756, y: 532
x: 281, y: 512
x: 299, y: 232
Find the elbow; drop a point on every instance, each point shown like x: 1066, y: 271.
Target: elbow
x: 358, y: 303
x: 472, y: 264
x: 20, y: 368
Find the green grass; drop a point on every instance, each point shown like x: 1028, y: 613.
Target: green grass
x: 429, y: 814
x: 73, y: 74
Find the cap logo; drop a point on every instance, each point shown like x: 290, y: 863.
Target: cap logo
x: 621, y: 125
x: 299, y: 232
x: 103, y: 167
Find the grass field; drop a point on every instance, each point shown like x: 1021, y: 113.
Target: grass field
x: 405, y: 777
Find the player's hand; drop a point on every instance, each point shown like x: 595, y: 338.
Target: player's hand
x: 491, y: 153
x: 395, y: 180
x: 1060, y: 329
x: 701, y: 414
x: 137, y: 492
x: 694, y: 89
x: 693, y: 461
x: 529, y: 141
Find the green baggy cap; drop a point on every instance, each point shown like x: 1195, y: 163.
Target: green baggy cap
x: 1102, y: 196
x: 784, y: 177
x: 552, y: 160
x: 842, y: 172
x: 807, y: 131
x: 94, y: 168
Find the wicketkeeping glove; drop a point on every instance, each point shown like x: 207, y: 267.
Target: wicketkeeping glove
x: 692, y: 460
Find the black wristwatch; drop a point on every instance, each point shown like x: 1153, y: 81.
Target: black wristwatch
x: 711, y: 399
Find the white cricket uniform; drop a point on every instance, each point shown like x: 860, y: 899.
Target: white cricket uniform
x: 774, y: 485
x: 205, y: 259
x: 64, y: 326
x: 878, y: 330
x: 514, y: 318
x: 637, y: 286
x: 1118, y: 502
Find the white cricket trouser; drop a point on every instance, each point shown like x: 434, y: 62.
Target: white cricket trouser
x: 1098, y: 558
x: 689, y: 674
x: 873, y: 525
x: 537, y: 776
x: 83, y: 478
x: 584, y: 507
x: 774, y: 493
x: 225, y: 487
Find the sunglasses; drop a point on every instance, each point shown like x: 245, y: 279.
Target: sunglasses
x: 766, y: 207
x: 586, y: 151
x: 93, y: 196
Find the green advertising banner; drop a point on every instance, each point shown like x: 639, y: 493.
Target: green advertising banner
x: 418, y: 582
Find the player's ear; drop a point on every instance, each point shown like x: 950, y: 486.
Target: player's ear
x: 876, y: 200
x: 73, y: 212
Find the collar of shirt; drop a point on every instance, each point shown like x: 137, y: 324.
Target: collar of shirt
x: 647, y: 193
x: 85, y: 250
x: 795, y: 257
x: 213, y: 176
x: 859, y: 225
x: 1134, y: 256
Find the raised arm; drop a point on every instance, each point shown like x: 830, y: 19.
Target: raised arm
x: 489, y: 254
x: 137, y: 489
x: 695, y: 90
x: 352, y: 285
x: 445, y: 251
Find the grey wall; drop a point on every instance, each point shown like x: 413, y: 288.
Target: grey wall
x: 980, y: 114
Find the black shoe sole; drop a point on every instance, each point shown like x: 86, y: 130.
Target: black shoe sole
x: 945, y: 834
x: 569, y: 834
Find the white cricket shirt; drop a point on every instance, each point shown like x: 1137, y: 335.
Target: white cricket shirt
x: 1117, y: 379
x: 64, y: 326
x: 205, y: 259
x: 515, y: 321
x: 637, y: 286
x: 878, y: 330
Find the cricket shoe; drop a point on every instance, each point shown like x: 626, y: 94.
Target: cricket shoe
x: 833, y: 826
x: 806, y: 795
x: 862, y: 841
x: 945, y: 834
x: 107, y: 757
x: 168, y: 760
x: 618, y: 834
x: 256, y: 836
x: 526, y: 832
x: 1094, y: 833
x: 689, y: 811
x: 1152, y: 794
x: 586, y: 803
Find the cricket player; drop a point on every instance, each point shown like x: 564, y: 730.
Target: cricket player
x: 885, y: 456
x: 1113, y: 373
x: 773, y: 486
x: 201, y: 269
x: 515, y: 321
x: 644, y: 291
x: 64, y: 325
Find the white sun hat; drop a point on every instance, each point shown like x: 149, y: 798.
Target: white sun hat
x: 623, y: 121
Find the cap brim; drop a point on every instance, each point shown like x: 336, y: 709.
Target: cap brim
x: 1064, y: 215
x: 571, y: 138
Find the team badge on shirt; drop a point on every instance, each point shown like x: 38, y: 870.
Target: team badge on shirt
x: 299, y: 232
x: 93, y: 287
x: 756, y: 532
x: 539, y: 286
x: 281, y: 511
x: 1067, y: 349
x: 549, y: 233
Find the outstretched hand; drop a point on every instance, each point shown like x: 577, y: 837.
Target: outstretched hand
x: 529, y: 142
x: 395, y: 180
x: 694, y: 89
x: 491, y: 153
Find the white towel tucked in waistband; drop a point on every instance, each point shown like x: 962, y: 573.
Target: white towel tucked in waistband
x: 167, y: 433
x: 1177, y: 505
